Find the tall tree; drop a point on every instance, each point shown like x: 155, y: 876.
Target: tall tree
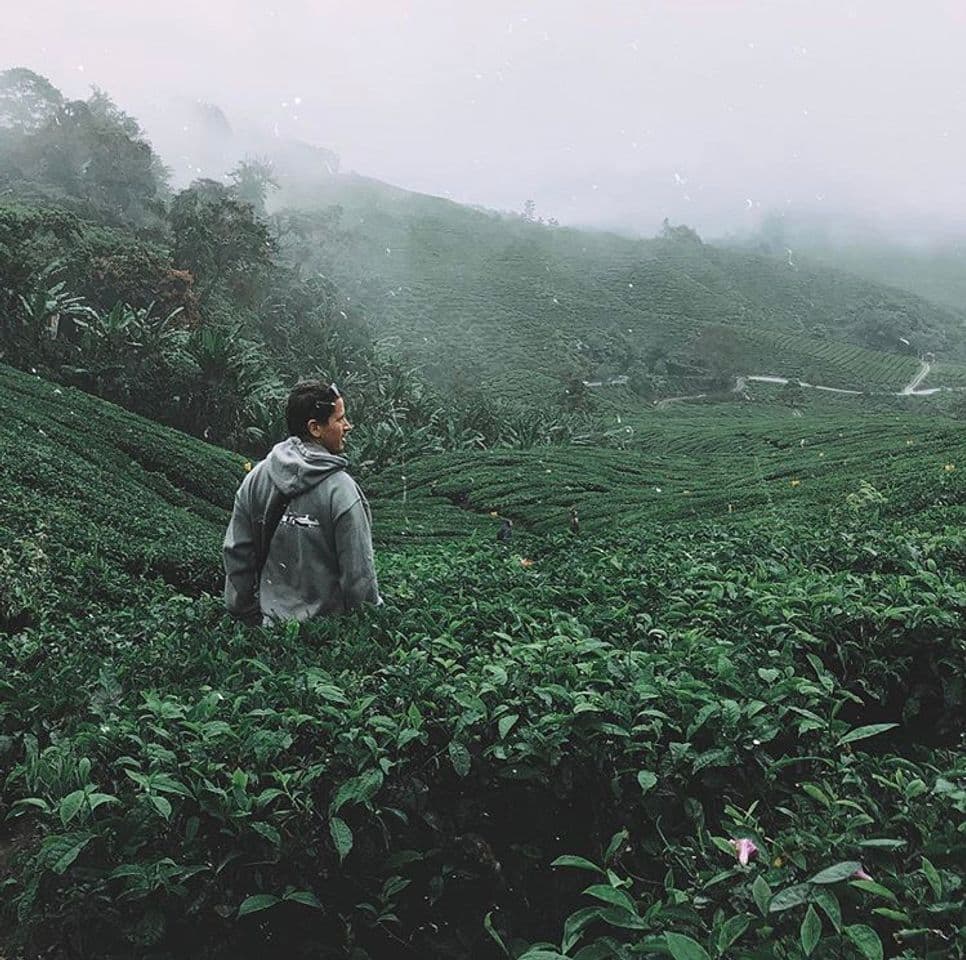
x: 87, y: 150
x: 220, y: 240
x: 251, y: 181
x: 91, y: 155
x: 27, y: 100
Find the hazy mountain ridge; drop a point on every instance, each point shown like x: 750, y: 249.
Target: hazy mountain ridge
x: 492, y: 292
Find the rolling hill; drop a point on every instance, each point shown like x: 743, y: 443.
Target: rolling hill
x: 473, y: 296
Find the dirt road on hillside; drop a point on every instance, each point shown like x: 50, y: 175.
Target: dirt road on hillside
x: 911, y: 389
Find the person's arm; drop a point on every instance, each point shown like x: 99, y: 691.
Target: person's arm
x: 353, y: 544
x: 238, y: 554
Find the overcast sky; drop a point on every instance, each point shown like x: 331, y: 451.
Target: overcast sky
x: 707, y: 111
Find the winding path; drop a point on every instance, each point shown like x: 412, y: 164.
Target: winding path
x: 667, y: 401
x: 742, y: 381
x: 911, y: 389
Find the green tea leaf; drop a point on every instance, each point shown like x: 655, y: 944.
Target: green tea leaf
x: 62, y: 851
x: 932, y: 876
x: 567, y: 860
x: 816, y: 793
x: 611, y: 895
x: 268, y: 795
x: 305, y: 897
x: 647, y: 779
x: 861, y: 733
x: 267, y: 831
x: 341, y: 837
x: 162, y: 805
x: 870, y: 886
x: 261, y: 901
x: 70, y: 806
x: 359, y: 789
x: 616, y: 842
x: 915, y: 788
x: 575, y: 925
x: 167, y: 784
x: 460, y: 758
x: 840, y: 871
x: 505, y: 724
x: 891, y: 914
x: 491, y: 930
x: 866, y: 940
x: 684, y: 948
x: 790, y: 897
x: 731, y: 930
x: 830, y: 905
x: 724, y: 845
x: 811, y: 931
x: 762, y: 894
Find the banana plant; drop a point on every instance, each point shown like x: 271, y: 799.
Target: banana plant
x: 46, y: 303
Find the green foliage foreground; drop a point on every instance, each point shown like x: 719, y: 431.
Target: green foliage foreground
x: 401, y: 777
x: 556, y: 757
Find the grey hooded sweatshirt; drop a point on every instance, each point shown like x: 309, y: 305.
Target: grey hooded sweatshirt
x: 320, y: 559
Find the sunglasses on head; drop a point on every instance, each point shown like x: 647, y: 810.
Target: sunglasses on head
x: 324, y: 407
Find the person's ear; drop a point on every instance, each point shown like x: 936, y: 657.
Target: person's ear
x: 314, y: 428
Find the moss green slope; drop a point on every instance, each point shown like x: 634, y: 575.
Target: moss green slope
x: 81, y: 473
x: 82, y: 477
x: 702, y: 464
x: 477, y: 296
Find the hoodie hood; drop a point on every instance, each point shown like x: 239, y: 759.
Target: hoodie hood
x: 296, y: 466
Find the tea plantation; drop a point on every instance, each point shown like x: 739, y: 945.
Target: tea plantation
x: 722, y: 721
x: 529, y: 305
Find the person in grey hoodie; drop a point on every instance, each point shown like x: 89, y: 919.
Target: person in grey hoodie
x: 319, y: 559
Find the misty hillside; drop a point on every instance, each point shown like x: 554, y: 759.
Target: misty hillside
x: 669, y: 534
x: 205, y: 305
x: 906, y: 258
x: 937, y: 274
x: 537, y: 304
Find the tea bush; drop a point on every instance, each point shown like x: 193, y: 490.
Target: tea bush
x: 731, y: 736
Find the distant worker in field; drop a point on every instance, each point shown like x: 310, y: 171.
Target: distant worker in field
x: 299, y: 544
x: 505, y: 533
x: 574, y: 521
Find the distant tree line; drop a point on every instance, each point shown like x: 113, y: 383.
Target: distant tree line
x: 193, y: 306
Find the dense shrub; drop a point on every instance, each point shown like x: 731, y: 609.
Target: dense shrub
x: 405, y: 780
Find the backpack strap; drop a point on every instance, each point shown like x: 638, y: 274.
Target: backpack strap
x: 266, y: 525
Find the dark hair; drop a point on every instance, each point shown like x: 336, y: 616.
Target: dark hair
x: 309, y: 400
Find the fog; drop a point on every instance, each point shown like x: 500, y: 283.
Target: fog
x: 709, y: 112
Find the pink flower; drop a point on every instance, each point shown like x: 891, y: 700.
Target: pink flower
x: 745, y: 849
x: 860, y: 874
